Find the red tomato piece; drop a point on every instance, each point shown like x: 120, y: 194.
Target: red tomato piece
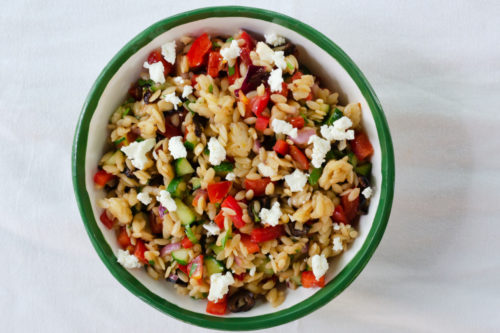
x: 186, y: 243
x: 195, y: 268
x: 194, y: 80
x: 219, y: 220
x: 296, y: 76
x: 267, y: 233
x: 217, y: 308
x: 123, y: 238
x: 281, y: 147
x: 245, y: 56
x: 252, y: 247
x: 361, y: 146
x: 217, y: 191
x: 236, y: 75
x: 284, y: 89
x: 261, y: 123
x: 108, y: 223
x: 156, y: 56
x: 101, y: 178
x: 297, y: 122
x: 198, y: 50
x: 259, y: 103
x: 257, y: 185
x: 183, y: 268
x: 339, y: 215
x: 240, y: 277
x: 140, y: 248
x: 249, y: 43
x: 299, y: 157
x: 350, y: 207
x: 246, y: 48
x: 308, y: 280
x: 170, y: 130
x: 198, y: 195
x: 214, y: 64
x: 231, y: 203
x: 309, y: 97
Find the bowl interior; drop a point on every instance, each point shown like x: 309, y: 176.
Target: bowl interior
x: 332, y: 74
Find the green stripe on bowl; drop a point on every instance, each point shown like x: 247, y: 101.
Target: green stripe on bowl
x: 334, y: 287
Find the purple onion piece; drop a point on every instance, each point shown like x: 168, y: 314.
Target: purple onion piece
x: 305, y: 249
x: 169, y: 248
x: 173, y: 278
x: 256, y: 146
x: 303, y: 136
x: 161, y: 211
x: 254, y: 77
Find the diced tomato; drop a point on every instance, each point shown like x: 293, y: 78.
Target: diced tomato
x: 257, y: 185
x: 339, y: 215
x: 281, y: 147
x: 231, y: 203
x: 217, y: 191
x: 259, y: 103
x: 350, y: 207
x: 198, y: 195
x: 236, y: 75
x: 193, y: 79
x: 170, y: 130
x: 246, y: 48
x: 214, y: 64
x: 155, y: 223
x: 156, y: 56
x: 108, y: 223
x: 252, y: 247
x: 249, y: 43
x: 284, y: 89
x: 198, y: 50
x: 297, y: 122
x: 261, y: 123
x: 140, y: 248
x: 101, y: 177
x: 219, y: 220
x: 186, y: 243
x: 217, y: 308
x: 267, y: 233
x: 361, y: 146
x: 309, y: 97
x: 183, y: 268
x: 240, y: 277
x: 195, y: 268
x: 296, y: 76
x: 123, y: 238
x: 245, y: 56
x: 299, y: 157
x: 308, y: 280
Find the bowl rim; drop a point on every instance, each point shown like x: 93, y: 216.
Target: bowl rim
x: 322, y: 296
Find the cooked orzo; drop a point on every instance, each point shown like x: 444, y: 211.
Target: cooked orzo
x: 232, y: 173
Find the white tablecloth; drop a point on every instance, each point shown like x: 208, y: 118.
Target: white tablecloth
x: 436, y: 69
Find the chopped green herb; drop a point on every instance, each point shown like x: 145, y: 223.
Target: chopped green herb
x: 224, y: 167
x: 211, y: 88
x: 255, y: 215
x: 143, y: 83
x: 139, y: 139
x: 215, y: 45
x: 229, y: 39
x: 334, y: 154
x: 125, y: 112
x: 189, y: 145
x: 151, y: 262
x: 314, y: 176
x: 130, y: 100
x: 352, y: 159
x: 290, y: 66
x: 206, y: 151
x: 120, y: 140
x: 186, y: 105
x: 193, y: 269
x: 230, y: 70
x: 334, y: 116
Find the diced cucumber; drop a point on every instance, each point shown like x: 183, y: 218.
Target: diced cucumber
x: 190, y: 234
x: 196, y: 183
x: 352, y: 159
x: 185, y: 214
x: 325, y: 108
x: 334, y: 154
x: 262, y: 267
x: 113, y: 158
x: 183, y: 167
x: 363, y: 169
x: 315, y: 175
x: 227, y: 235
x: 189, y: 145
x: 230, y: 70
x: 177, y: 187
x: 336, y: 114
x: 296, y: 280
x: 216, y: 249
x: 181, y: 256
x: 213, y: 265
x: 224, y: 167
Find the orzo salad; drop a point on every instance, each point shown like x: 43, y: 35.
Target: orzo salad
x: 232, y: 172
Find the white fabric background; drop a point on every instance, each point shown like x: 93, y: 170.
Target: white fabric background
x: 436, y: 69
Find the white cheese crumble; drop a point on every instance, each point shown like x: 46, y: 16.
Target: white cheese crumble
x: 275, y: 80
x: 127, y: 260
x: 320, y: 148
x: 172, y: 98
x: 144, y: 198
x: 219, y: 285
x: 266, y: 170
x: 274, y: 39
x: 168, y: 51
x: 230, y: 176
x: 265, y: 52
x: 232, y: 52
x: 319, y: 265
x: 252, y: 271
x: 166, y: 201
x: 271, y: 216
x: 136, y: 152
x: 212, y: 228
x: 367, y: 192
x: 178, y: 80
x: 336, y: 226
x: 337, y: 244
x: 176, y: 147
x: 279, y: 59
x: 156, y: 71
x: 282, y: 127
x: 217, y: 152
x: 188, y: 90
x: 296, y: 180
x: 338, y: 131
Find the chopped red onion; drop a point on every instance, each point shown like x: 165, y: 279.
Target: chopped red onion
x: 256, y: 146
x: 303, y: 136
x: 169, y: 248
x: 161, y: 211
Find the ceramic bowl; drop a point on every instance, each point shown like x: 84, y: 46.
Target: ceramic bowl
x: 322, y: 56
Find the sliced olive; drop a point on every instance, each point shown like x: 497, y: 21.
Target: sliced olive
x: 364, y: 182
x: 293, y: 231
x: 241, y: 301
x: 287, y: 48
x: 175, y: 279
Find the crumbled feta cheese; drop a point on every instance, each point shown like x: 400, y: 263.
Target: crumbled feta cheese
x: 178, y: 80
x: 342, y: 145
x: 136, y: 152
x: 219, y: 285
x: 266, y: 170
x: 336, y: 226
x: 338, y: 131
x: 320, y: 148
x: 319, y: 265
x: 337, y: 244
x: 279, y: 59
x: 265, y: 52
x: 296, y: 180
x: 172, y: 98
x: 212, y: 228
x: 275, y: 80
x: 230, y: 176
x: 271, y: 216
x: 252, y: 271
x: 156, y: 71
x: 127, y: 260
x: 274, y: 39
x: 188, y: 90
x: 367, y: 192
x: 144, y: 198
x: 176, y: 147
x: 168, y: 51
x: 217, y: 152
x: 232, y: 52
x: 166, y: 201
x: 282, y: 127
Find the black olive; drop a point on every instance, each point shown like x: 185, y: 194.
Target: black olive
x: 297, y: 232
x: 147, y: 96
x: 287, y: 48
x: 128, y: 172
x: 242, y: 300
x: 199, y: 124
x: 265, y: 202
x: 269, y: 142
x: 175, y: 279
x: 253, y: 210
x: 363, y: 205
x: 156, y: 180
x: 364, y: 182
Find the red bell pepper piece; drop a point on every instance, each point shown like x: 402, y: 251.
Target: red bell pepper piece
x: 284, y: 90
x: 198, y: 50
x: 261, y: 123
x: 108, y: 223
x: 217, y: 191
x: 339, y: 215
x: 281, y: 147
x: 156, y: 56
x: 186, y: 243
x: 296, y: 76
x: 267, y: 233
x: 231, y: 203
x: 297, y: 122
x: 219, y: 220
x: 170, y: 130
x: 235, y: 75
x: 123, y: 238
x: 246, y: 48
x: 252, y: 247
x: 214, y: 64
x: 350, y: 207
x: 361, y: 146
x: 308, y: 280
x: 195, y: 268
x: 183, y: 268
x: 257, y: 185
x: 140, y: 248
x: 240, y: 277
x: 101, y: 178
x: 217, y: 308
x: 259, y: 103
x: 299, y: 157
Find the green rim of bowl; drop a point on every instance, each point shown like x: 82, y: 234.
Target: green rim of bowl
x: 322, y: 296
